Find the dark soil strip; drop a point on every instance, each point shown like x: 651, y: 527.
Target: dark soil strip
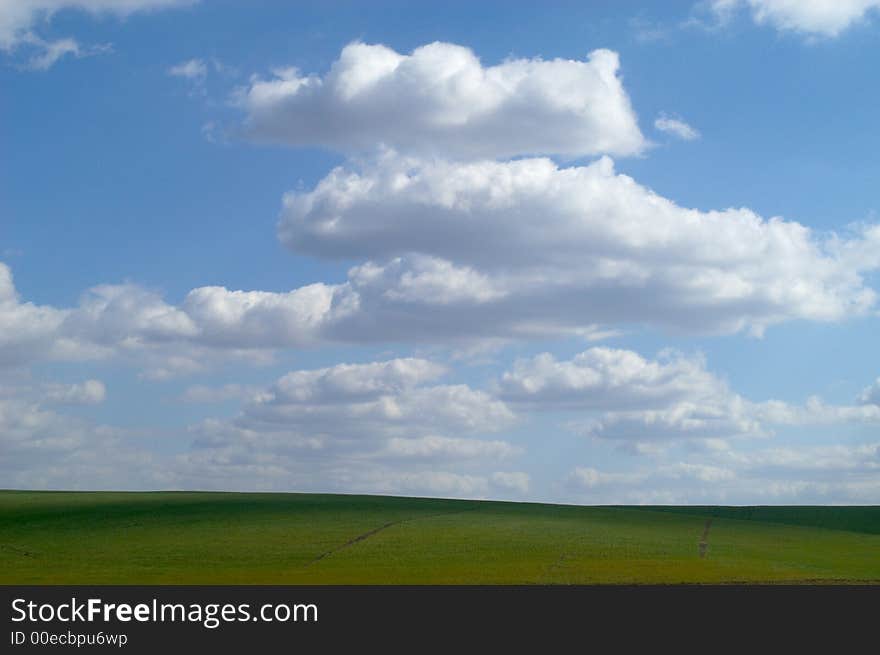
x: 704, y: 540
x: 370, y: 533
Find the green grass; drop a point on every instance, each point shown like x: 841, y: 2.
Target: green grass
x: 217, y: 538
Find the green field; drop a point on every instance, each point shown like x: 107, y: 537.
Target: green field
x: 216, y: 538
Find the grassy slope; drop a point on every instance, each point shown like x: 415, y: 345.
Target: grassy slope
x: 178, y: 538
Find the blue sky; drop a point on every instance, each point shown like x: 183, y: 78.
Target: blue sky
x: 590, y: 252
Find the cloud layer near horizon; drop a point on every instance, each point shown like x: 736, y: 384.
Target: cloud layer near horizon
x: 393, y: 426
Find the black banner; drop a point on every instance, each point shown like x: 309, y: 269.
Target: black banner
x: 412, y: 619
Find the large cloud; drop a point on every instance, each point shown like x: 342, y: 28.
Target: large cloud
x: 499, y: 251
x: 526, y: 241
x: 441, y: 100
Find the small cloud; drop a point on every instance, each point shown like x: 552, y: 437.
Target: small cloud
x: 676, y: 127
x: 813, y: 19
x: 712, y: 15
x: 646, y: 31
x: 871, y: 394
x: 192, y: 69
x: 214, y: 132
x: 48, y: 53
x: 90, y: 392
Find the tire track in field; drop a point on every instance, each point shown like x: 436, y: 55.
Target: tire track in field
x: 704, y: 540
x: 370, y: 533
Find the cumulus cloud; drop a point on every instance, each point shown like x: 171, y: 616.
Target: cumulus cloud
x: 607, y: 378
x: 825, y: 474
x: 637, y: 402
x: 676, y: 127
x: 379, y: 427
x: 500, y: 251
x: 20, y: 18
x: 510, y: 250
x: 130, y: 323
x: 381, y: 399
x: 571, y: 247
x: 375, y: 427
x: 440, y: 99
x: 823, y: 18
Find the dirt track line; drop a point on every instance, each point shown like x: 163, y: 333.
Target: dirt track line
x: 704, y: 540
x: 370, y: 533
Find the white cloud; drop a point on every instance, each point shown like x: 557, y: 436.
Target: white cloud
x: 440, y: 99
x: 588, y: 477
x: 816, y: 412
x: 376, y: 427
x: 50, y: 52
x: 607, y: 378
x: 500, y: 251
x: 20, y: 18
x: 824, y: 18
x: 871, y: 394
x: 360, y: 401
x: 835, y: 474
x: 639, y: 402
x: 507, y: 481
x: 89, y: 392
x: 192, y: 69
x: 449, y: 447
x: 676, y: 127
x: 436, y: 483
x: 705, y: 418
x: 25, y: 329
x: 43, y: 449
x: 378, y: 408
x: 564, y: 248
x: 204, y: 394
x: 130, y: 323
